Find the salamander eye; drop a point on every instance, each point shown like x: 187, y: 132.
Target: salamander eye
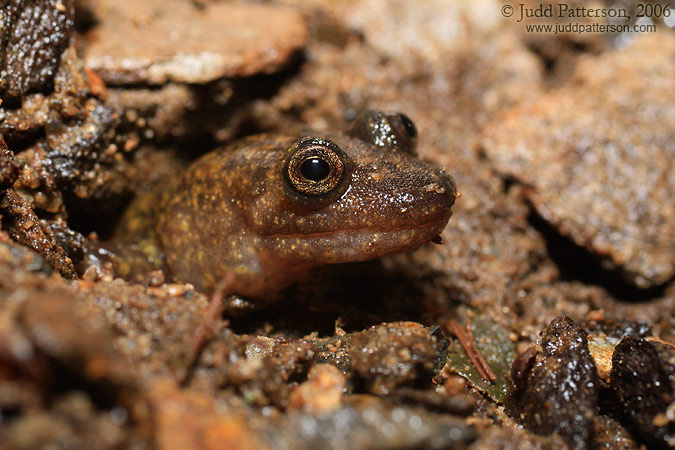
x: 315, y: 166
x: 315, y: 169
x: 395, y: 131
x: 409, y: 126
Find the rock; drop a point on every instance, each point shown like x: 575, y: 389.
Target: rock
x: 643, y: 378
x: 391, y: 355
x: 33, y: 35
x: 321, y: 393
x: 371, y: 423
x: 598, y: 154
x: 190, y: 419
x: 557, y: 385
x: 173, y: 40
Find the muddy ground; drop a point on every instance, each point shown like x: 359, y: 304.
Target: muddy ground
x: 562, y: 145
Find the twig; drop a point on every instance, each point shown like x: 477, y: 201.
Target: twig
x: 468, y: 343
x: 478, y: 354
x: 206, y: 328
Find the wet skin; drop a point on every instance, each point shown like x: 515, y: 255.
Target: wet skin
x: 271, y: 207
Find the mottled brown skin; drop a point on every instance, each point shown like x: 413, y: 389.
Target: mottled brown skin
x: 236, y: 210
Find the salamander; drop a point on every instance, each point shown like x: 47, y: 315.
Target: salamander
x: 271, y: 207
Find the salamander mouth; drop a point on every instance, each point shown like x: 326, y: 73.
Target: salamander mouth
x: 354, y: 245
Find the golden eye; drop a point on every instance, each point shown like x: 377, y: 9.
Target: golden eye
x: 315, y: 166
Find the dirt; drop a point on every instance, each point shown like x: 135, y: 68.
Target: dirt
x: 562, y: 148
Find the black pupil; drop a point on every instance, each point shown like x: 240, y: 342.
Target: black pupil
x: 409, y: 125
x: 315, y: 169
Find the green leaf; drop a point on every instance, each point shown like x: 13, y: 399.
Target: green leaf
x: 498, y: 351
